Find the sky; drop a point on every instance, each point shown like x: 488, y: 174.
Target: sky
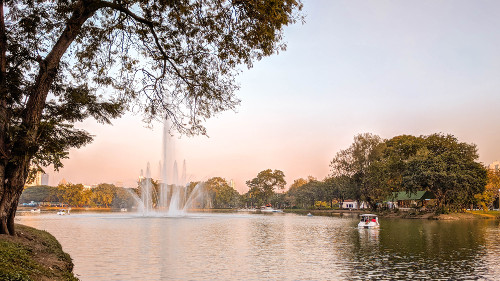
x: 383, y: 67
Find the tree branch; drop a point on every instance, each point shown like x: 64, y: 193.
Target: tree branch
x: 150, y: 26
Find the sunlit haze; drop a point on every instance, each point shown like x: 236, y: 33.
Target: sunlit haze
x: 384, y: 67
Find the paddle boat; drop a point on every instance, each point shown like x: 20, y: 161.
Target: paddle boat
x: 63, y: 212
x: 368, y: 221
x: 269, y: 209
x: 36, y: 210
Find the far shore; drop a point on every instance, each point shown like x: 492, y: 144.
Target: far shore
x: 476, y: 214
x: 466, y: 215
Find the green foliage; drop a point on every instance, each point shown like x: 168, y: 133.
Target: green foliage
x: 39, y: 194
x: 221, y: 194
x: 104, y: 193
x: 356, y: 164
x: 18, y: 259
x: 448, y: 169
x: 15, y: 262
x: 75, y: 195
x: 485, y: 199
x: 371, y: 169
x: 262, y: 187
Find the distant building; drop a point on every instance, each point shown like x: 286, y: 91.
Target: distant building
x: 495, y: 166
x: 407, y: 200
x: 63, y: 182
x: 45, y: 179
x: 351, y: 204
x: 38, y: 180
x: 231, y: 184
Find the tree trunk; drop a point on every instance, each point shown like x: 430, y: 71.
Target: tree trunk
x: 16, y: 155
x: 15, y: 176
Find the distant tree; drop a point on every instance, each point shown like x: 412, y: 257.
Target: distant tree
x: 122, y: 198
x: 339, y: 188
x: 221, y: 193
x: 491, y: 192
x: 104, y: 194
x: 294, y: 194
x: 65, y: 61
x: 72, y: 194
x: 263, y: 186
x: 355, y: 163
x: 87, y: 197
x: 447, y: 168
x: 306, y: 192
x: 36, y: 193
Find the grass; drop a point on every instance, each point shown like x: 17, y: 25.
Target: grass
x: 33, y: 255
x: 488, y: 214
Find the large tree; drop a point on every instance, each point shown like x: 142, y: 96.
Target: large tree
x: 221, y: 194
x: 448, y: 169
x: 355, y: 165
x: 263, y: 187
x: 65, y: 61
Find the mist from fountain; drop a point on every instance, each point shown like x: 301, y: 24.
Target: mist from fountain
x: 171, y: 198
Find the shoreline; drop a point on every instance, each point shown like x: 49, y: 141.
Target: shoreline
x: 412, y: 214
x: 467, y: 215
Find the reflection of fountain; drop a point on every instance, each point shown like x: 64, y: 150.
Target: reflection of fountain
x: 162, y: 198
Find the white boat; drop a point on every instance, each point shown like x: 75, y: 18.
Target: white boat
x: 309, y: 215
x: 36, y: 210
x: 368, y: 221
x: 123, y: 210
x: 269, y: 209
x: 63, y: 212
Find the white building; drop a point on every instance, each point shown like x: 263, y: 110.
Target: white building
x: 40, y: 179
x: 495, y: 166
x: 45, y: 179
x: 351, y: 204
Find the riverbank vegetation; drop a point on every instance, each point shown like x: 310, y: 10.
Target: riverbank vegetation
x: 76, y: 195
x: 33, y: 255
x: 371, y: 170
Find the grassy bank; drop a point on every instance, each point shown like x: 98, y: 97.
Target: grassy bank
x: 403, y: 214
x: 33, y: 255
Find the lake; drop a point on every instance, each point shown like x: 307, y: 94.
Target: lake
x: 241, y: 246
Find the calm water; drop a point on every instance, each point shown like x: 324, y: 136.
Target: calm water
x: 117, y: 246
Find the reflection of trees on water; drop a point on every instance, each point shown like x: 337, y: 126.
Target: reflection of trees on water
x: 415, y: 249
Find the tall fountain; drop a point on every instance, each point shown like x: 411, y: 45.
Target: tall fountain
x: 171, y: 197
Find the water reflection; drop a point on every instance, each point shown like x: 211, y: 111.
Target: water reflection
x: 416, y: 249
x: 276, y: 247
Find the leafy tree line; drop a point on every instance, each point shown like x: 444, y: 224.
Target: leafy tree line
x: 75, y: 195
x: 217, y: 193
x: 371, y: 169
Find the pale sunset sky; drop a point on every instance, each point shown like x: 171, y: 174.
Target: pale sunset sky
x: 383, y: 67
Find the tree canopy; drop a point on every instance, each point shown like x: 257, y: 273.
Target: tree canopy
x: 263, y: 187
x: 371, y: 169
x: 220, y: 193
